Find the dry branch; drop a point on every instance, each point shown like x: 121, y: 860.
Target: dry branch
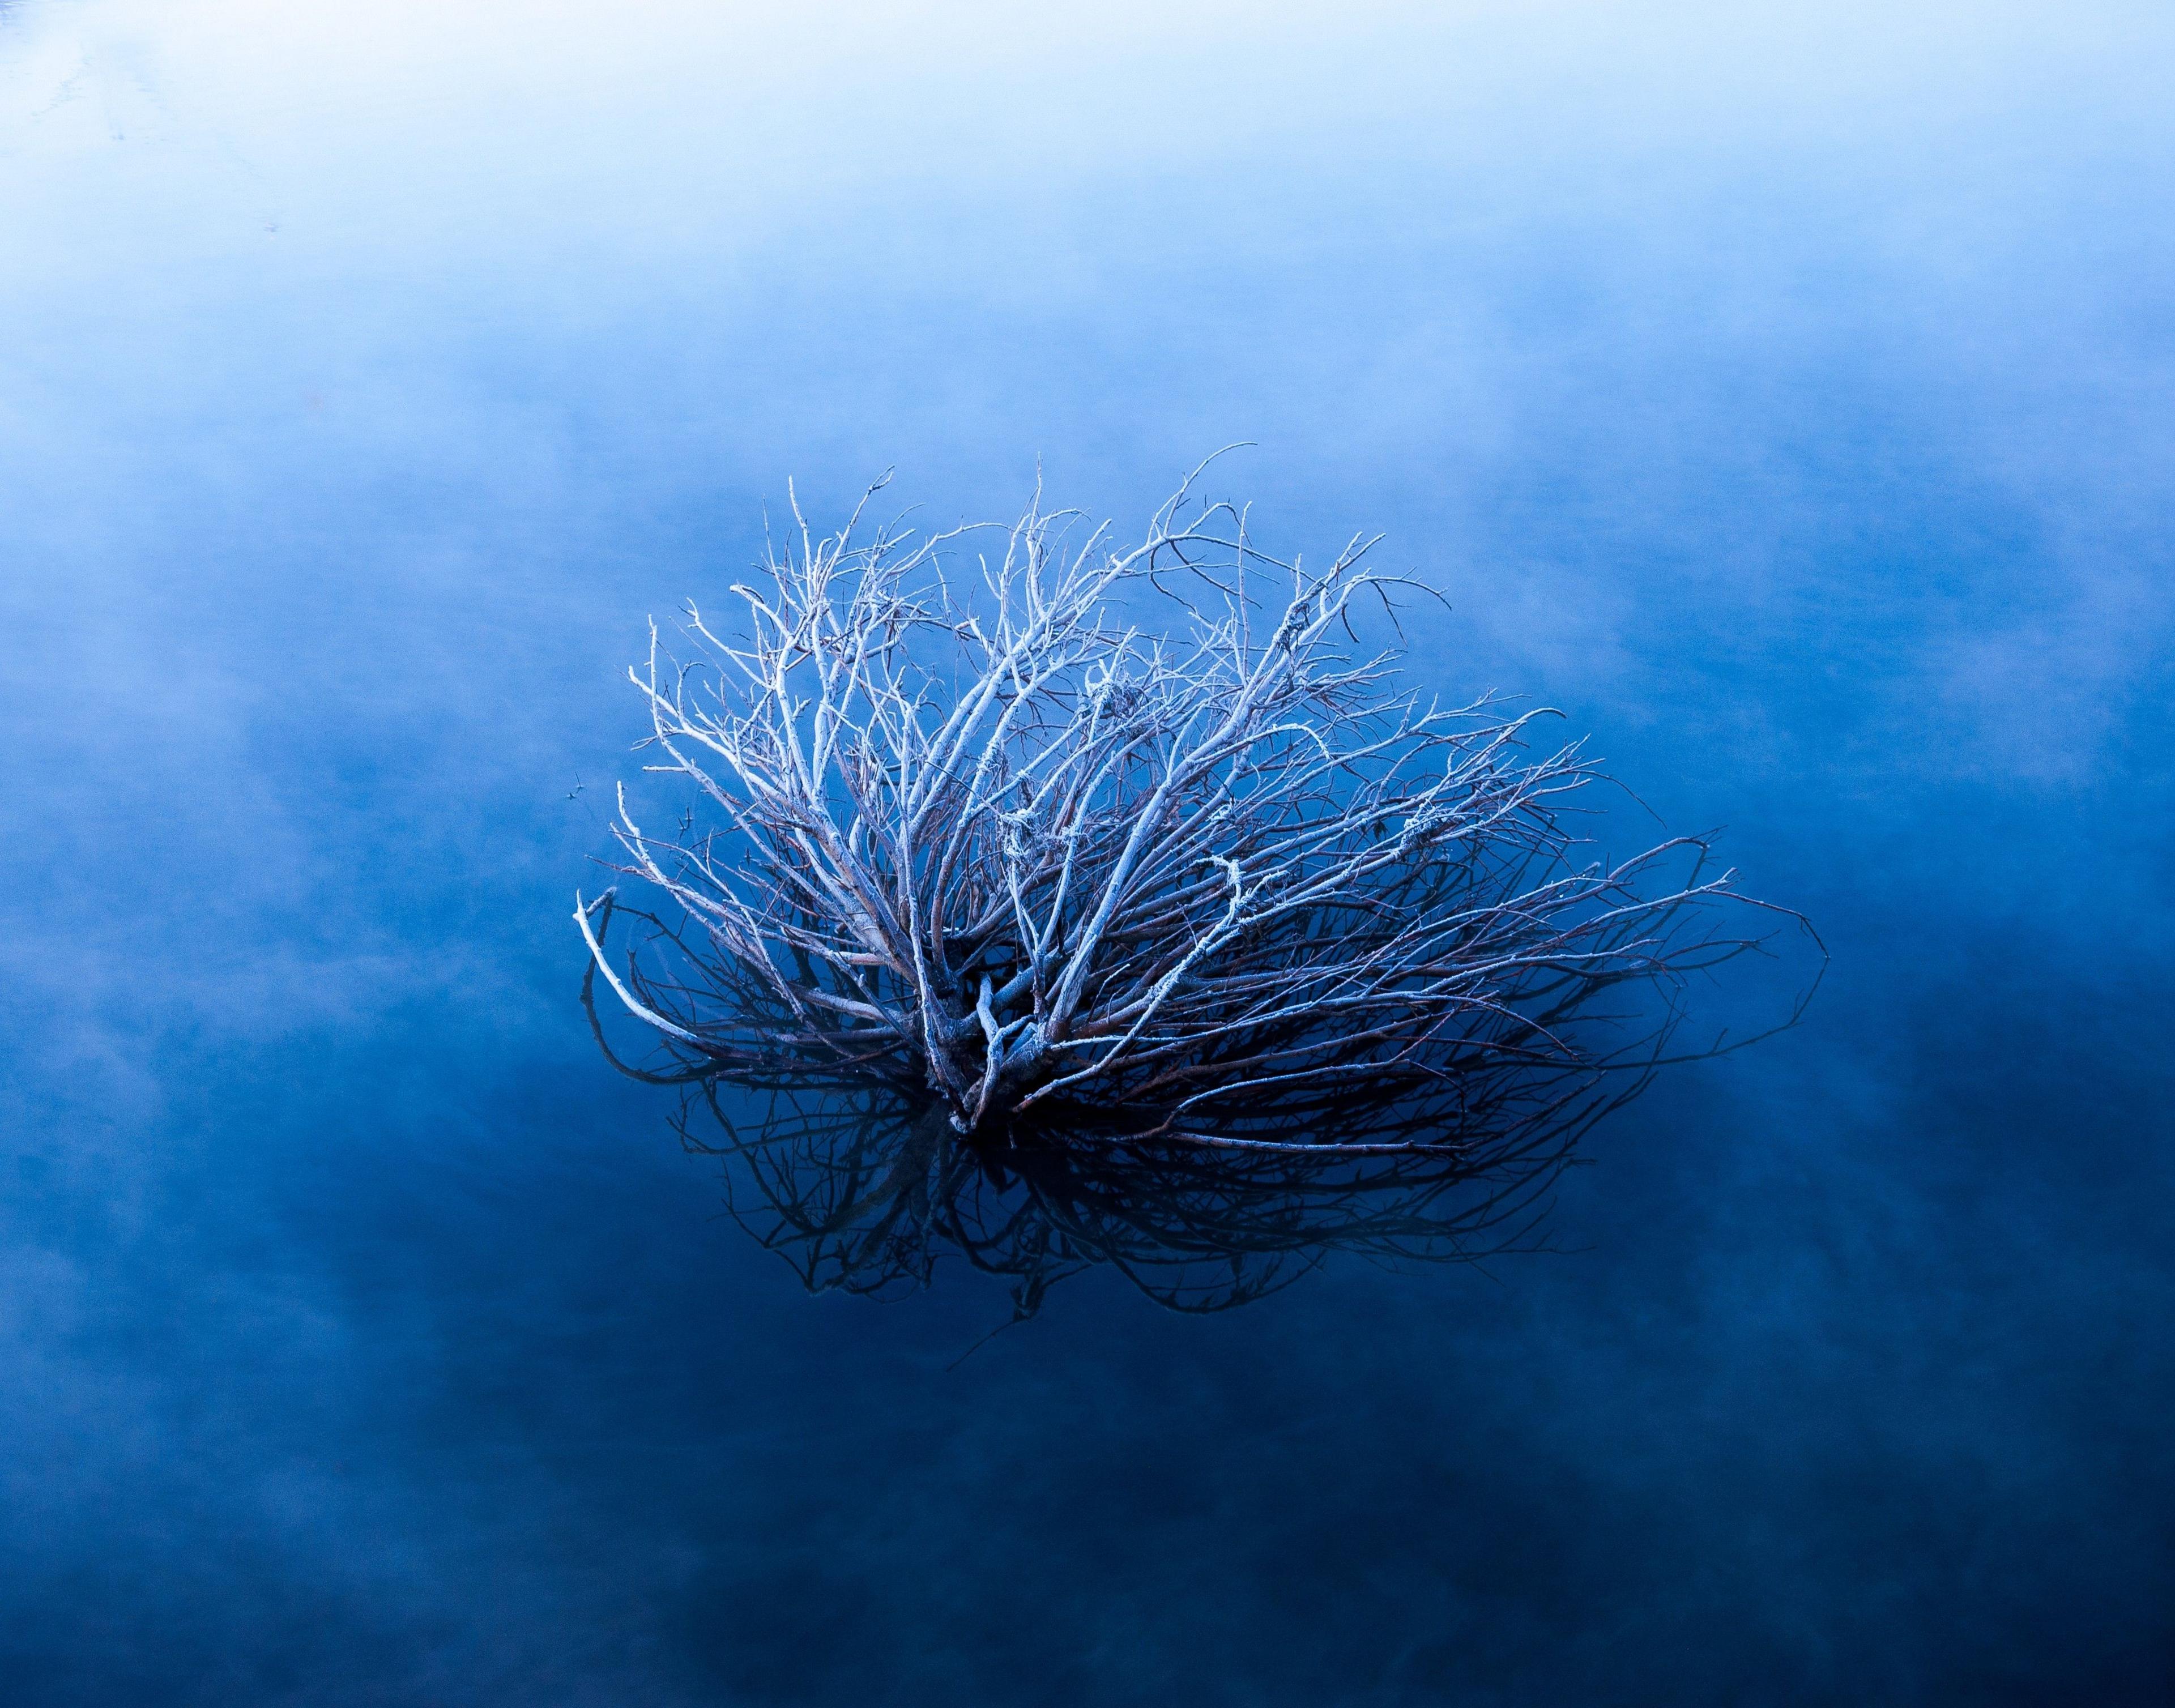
x: 1134, y: 845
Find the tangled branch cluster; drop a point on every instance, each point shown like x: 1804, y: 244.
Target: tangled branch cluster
x: 1217, y: 883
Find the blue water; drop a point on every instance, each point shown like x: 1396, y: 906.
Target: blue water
x: 1784, y: 392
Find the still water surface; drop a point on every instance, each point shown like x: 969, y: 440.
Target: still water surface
x: 1786, y: 397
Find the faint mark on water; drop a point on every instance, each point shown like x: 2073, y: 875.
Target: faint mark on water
x: 113, y: 67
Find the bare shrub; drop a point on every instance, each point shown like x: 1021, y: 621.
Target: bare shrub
x: 1138, y: 849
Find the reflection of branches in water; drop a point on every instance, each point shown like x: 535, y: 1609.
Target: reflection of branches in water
x: 865, y: 1188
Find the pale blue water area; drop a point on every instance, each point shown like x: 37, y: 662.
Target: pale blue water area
x: 1784, y: 392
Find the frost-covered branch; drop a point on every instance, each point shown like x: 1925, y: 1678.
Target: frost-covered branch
x: 1141, y: 834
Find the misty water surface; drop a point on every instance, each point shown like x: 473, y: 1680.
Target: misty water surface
x: 1784, y: 392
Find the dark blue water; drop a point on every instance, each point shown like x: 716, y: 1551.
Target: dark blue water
x: 1787, y: 398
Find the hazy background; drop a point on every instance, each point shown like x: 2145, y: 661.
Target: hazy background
x: 1785, y: 391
